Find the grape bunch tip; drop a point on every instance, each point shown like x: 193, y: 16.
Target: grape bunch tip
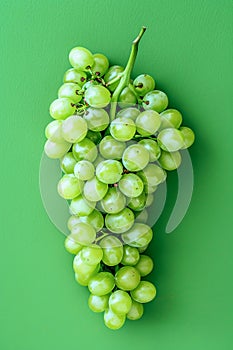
x: 116, y: 139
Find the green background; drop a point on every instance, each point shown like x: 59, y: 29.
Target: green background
x: 188, y: 49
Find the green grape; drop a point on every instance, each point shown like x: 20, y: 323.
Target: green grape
x: 97, y: 119
x: 71, y: 245
x: 62, y: 108
x: 145, y: 265
x: 85, y: 150
x: 81, y: 58
x: 138, y: 236
x: 80, y: 267
x: 75, y: 76
x: 95, y: 219
x: 67, y: 163
x: 188, y: 136
x: 152, y: 175
x: 85, y: 233
x: 98, y: 303
x: 120, y: 302
x: 112, y: 250
x: 114, y: 201
x: 90, y: 83
x: 170, y: 140
x: 95, y: 137
x: 56, y: 150
x: 127, y: 98
x: 143, y: 84
x: 135, y: 157
x: 127, y: 278
x: 144, y: 292
x: 53, y: 131
x: 143, y: 249
x: 137, y: 203
x: 131, y: 185
x: 72, y: 221
x: 97, y: 96
x: 69, y: 186
x: 70, y: 90
x: 112, y: 320
x: 171, y: 118
x: 120, y: 222
x: 122, y: 129
x: 155, y: 100
x: 136, y: 311
x: 149, y: 199
x: 84, y: 170
x: 152, y: 147
x: 101, y: 284
x: 170, y: 161
x: 130, y: 256
x: 111, y: 74
x: 111, y: 149
x: 147, y: 123
x: 95, y: 190
x: 91, y: 255
x: 98, y: 160
x: 142, y: 217
x: 74, y: 129
x: 100, y: 65
x: 81, y: 206
x: 83, y: 277
x: 130, y: 113
x: 109, y: 171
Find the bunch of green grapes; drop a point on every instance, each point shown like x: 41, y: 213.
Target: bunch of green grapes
x: 115, y: 139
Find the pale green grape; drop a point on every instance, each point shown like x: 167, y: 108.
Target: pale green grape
x: 144, y: 292
x: 100, y: 65
x: 147, y: 123
x: 149, y: 200
x: 130, y: 113
x: 83, y: 279
x: 138, y: 236
x: 142, y: 216
x: 98, y: 160
x: 188, y: 136
x: 67, y: 163
x: 71, y: 245
x: 136, y: 311
x: 72, y: 221
x: 112, y: 73
x: 120, y: 302
x: 109, y: 171
x: 152, y: 147
x: 145, y: 265
x: 122, y: 129
x: 97, y: 119
x: 97, y: 96
x: 127, y: 278
x: 112, y: 250
x: 170, y: 139
x: 135, y: 157
x: 95, y: 219
x: 56, y: 150
x: 69, y: 186
x: 170, y: 161
x: 81, y: 206
x: 80, y: 267
x: 127, y: 98
x: 84, y: 170
x: 155, y: 100
x: 91, y: 255
x: 114, y: 201
x: 112, y: 320
x: 143, y: 84
x: 95, y: 190
x: 62, y: 108
x: 89, y: 83
x: 70, y: 90
x: 131, y: 185
x: 94, y: 136
x: 74, y: 129
x: 53, y: 131
x: 75, y: 76
x: 85, y: 150
x: 152, y: 175
x: 131, y: 256
x: 101, y: 284
x: 143, y: 249
x: 137, y: 203
x: 120, y: 222
x: 111, y: 149
x: 85, y: 233
x: 81, y: 58
x: 171, y: 118
x: 98, y: 303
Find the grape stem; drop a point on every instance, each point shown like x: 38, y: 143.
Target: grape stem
x: 125, y: 75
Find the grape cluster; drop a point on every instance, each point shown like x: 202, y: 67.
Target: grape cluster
x: 115, y: 139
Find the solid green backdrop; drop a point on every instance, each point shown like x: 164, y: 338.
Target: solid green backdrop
x: 188, y: 49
